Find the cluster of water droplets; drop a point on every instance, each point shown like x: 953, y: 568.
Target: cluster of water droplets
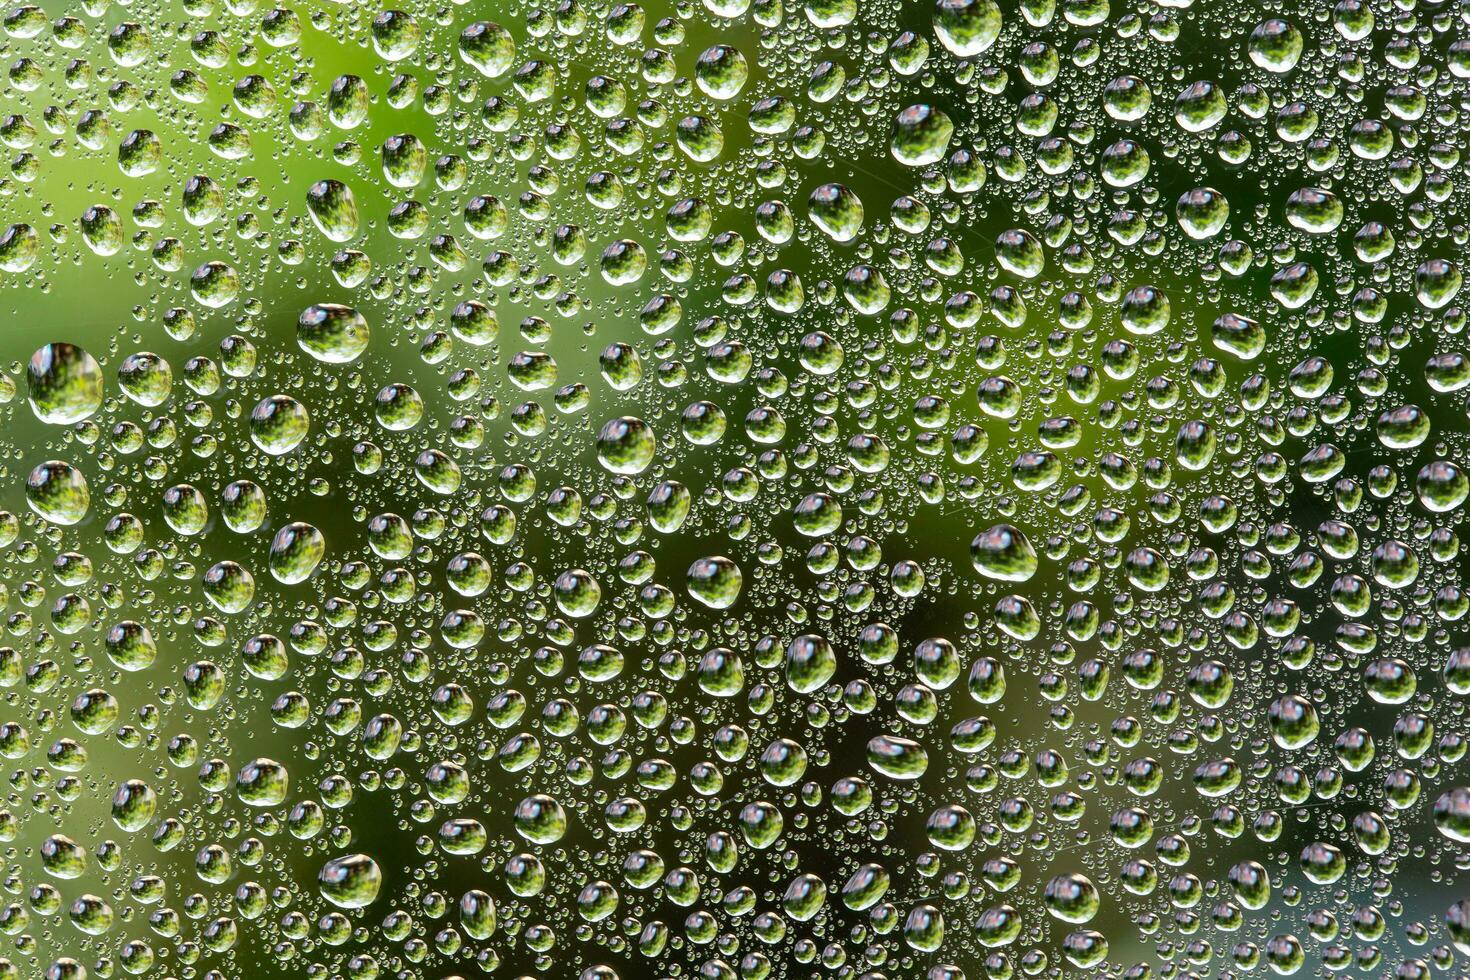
x: 741, y: 489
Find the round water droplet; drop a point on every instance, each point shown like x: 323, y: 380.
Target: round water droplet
x: 332, y: 333
x: 626, y: 445
x: 351, y: 881
x: 58, y: 492
x: 967, y: 28
x: 278, y: 424
x: 65, y: 383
